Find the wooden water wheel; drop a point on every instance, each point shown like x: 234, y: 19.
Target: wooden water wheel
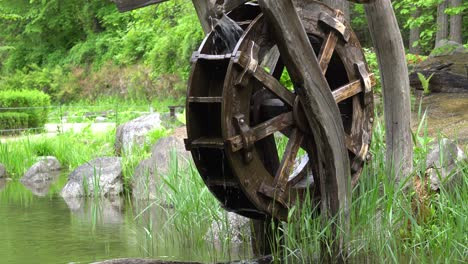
x: 247, y: 128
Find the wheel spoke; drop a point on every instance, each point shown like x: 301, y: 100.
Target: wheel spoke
x: 282, y: 174
x: 350, y: 90
x: 267, y: 80
x: 272, y: 84
x: 328, y: 46
x: 326, y: 51
x: 264, y: 129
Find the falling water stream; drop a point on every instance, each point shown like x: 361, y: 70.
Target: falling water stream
x: 226, y: 34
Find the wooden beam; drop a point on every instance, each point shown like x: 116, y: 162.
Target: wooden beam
x: 205, y: 9
x: 320, y: 109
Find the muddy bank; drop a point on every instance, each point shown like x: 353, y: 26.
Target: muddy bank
x: 447, y: 114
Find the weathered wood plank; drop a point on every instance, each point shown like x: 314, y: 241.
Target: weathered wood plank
x: 194, y: 99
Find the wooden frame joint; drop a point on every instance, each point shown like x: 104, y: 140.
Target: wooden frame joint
x: 247, y: 136
x: 335, y: 24
x: 251, y: 66
x: 366, y: 81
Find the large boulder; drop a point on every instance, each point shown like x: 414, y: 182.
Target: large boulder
x: 133, y: 133
x: 99, y: 177
x: 147, y: 181
x: 3, y: 173
x: 443, y: 165
x: 232, y: 226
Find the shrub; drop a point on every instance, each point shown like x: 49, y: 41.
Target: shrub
x: 33, y: 103
x: 13, y: 120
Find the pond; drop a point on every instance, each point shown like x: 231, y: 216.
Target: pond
x: 42, y: 227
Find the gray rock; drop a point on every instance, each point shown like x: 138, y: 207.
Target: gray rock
x: 166, y: 147
x: 443, y: 165
x: 147, y: 183
x: 41, y: 175
x: 45, y: 170
x: 3, y: 173
x: 231, y: 226
x: 133, y: 133
x: 101, y: 177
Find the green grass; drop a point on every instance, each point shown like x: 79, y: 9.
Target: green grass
x: 71, y: 149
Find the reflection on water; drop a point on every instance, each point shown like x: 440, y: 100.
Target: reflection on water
x: 41, y: 187
x: 44, y: 228
x: 3, y: 183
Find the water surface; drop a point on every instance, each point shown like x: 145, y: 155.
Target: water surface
x: 48, y: 229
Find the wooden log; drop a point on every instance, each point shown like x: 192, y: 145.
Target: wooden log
x: 441, y: 81
x: 320, y: 109
x: 390, y: 51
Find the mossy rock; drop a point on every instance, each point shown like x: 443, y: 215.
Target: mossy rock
x: 446, y: 48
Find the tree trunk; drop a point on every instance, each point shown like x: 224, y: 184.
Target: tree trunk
x: 442, y: 22
x: 456, y: 23
x: 414, y: 34
x: 342, y: 5
x: 396, y: 91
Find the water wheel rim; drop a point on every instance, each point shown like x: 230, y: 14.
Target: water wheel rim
x: 234, y: 192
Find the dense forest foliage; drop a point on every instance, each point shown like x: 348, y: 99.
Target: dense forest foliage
x: 85, y: 49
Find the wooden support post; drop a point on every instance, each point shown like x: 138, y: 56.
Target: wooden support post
x: 321, y: 111
x: 390, y: 51
x: 204, y: 10
x: 207, y: 9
